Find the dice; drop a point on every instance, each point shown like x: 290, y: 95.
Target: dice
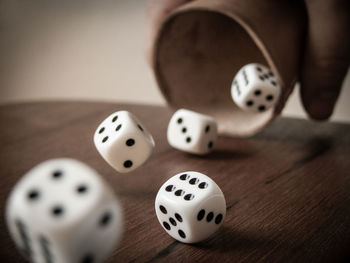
x: 192, y: 132
x: 255, y: 88
x: 123, y: 141
x: 62, y: 211
x: 190, y: 207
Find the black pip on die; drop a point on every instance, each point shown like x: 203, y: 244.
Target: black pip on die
x: 190, y: 207
x: 192, y: 132
x: 255, y: 88
x: 61, y: 211
x: 123, y: 141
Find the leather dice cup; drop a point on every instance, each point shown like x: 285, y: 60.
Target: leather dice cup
x: 202, y: 45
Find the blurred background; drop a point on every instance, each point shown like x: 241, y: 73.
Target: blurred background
x: 88, y: 50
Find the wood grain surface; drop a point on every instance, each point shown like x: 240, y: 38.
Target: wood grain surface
x: 287, y: 189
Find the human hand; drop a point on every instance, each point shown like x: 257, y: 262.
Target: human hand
x: 326, y: 55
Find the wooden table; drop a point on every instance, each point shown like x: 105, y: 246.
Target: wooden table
x: 287, y: 189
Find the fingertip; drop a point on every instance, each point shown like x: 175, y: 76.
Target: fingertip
x: 317, y: 111
x: 320, y: 105
x: 326, y: 56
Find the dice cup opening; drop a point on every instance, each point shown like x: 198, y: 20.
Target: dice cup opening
x: 200, y: 47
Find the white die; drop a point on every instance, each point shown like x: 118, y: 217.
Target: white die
x: 62, y: 211
x: 255, y: 88
x: 190, y: 206
x: 123, y: 141
x: 192, y: 132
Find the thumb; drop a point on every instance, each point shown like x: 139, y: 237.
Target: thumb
x: 326, y: 57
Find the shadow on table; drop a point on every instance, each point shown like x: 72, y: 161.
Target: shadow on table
x: 229, y: 154
x: 225, y: 154
x: 228, y: 240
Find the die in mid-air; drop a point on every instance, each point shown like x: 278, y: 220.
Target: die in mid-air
x: 255, y: 88
x: 192, y: 132
x: 62, y: 211
x: 190, y: 207
x: 123, y: 141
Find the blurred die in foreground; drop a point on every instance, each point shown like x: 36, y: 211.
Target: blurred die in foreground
x: 62, y: 211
